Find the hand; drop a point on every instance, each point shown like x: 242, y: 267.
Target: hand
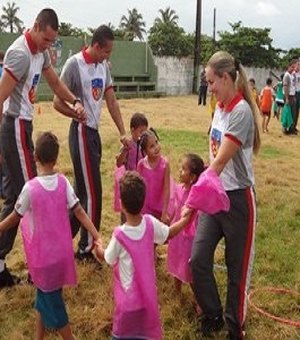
x: 125, y: 141
x: 80, y: 113
x: 186, y: 212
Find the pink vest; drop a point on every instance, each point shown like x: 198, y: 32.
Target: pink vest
x: 134, y: 155
x: 136, y: 309
x: 47, y: 238
x: 180, y: 247
x: 154, y: 179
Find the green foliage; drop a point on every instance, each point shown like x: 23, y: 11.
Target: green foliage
x: 252, y: 46
x: 133, y: 26
x: 167, y: 16
x: 168, y: 39
x: 67, y: 30
x: 293, y: 53
x: 9, y: 18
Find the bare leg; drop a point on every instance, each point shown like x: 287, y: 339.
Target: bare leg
x: 267, y: 122
x: 40, y: 329
x: 66, y: 332
x: 199, y: 311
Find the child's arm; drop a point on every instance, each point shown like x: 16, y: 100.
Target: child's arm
x: 176, y: 227
x: 122, y: 157
x: 85, y: 221
x: 99, y: 251
x: 166, y: 195
x: 10, y: 221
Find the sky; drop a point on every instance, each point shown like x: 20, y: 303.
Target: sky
x: 281, y: 16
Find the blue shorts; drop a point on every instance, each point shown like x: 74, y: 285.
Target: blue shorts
x: 52, y: 308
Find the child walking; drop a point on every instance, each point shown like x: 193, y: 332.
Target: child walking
x: 180, y: 247
x: 131, y: 253
x: 155, y: 170
x: 266, y: 100
x: 43, y: 208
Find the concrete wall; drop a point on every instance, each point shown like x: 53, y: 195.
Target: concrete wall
x: 175, y: 76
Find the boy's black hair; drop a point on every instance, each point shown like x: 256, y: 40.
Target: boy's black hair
x: 46, y: 148
x: 101, y: 35
x: 269, y: 81
x: 196, y: 164
x: 132, y: 192
x: 138, y: 119
x: 47, y: 17
x: 252, y: 80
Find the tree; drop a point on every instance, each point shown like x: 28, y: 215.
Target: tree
x: 168, y: 39
x: 67, y: 30
x: 167, y: 16
x: 133, y: 26
x: 252, y: 46
x: 9, y: 18
x: 293, y: 53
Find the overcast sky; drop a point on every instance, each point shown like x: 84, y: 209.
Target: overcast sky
x: 283, y: 17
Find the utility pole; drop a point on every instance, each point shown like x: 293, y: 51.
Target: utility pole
x: 214, y: 30
x: 197, y: 45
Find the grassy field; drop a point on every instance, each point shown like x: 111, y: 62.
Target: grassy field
x: 182, y: 126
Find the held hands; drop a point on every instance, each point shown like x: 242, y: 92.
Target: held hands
x: 99, y: 251
x: 125, y: 141
x: 186, y: 213
x: 80, y: 113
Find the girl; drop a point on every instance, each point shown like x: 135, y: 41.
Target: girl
x: 180, y: 247
x: 155, y: 170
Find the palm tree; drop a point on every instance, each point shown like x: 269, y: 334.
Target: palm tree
x: 168, y: 16
x: 10, y: 19
x: 133, y: 26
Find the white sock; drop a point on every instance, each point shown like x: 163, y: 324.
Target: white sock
x: 2, y: 265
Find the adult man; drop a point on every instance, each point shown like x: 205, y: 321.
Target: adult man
x: 87, y: 74
x: 297, y: 80
x: 202, y: 89
x: 289, y: 90
x: 24, y: 62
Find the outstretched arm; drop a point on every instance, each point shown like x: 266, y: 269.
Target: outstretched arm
x: 10, y: 221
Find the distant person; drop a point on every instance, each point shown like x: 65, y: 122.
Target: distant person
x: 266, y: 100
x: 297, y: 94
x: 25, y: 61
x: 254, y: 91
x: 131, y: 253
x: 279, y: 97
x: 202, y: 89
x: 130, y: 155
x: 1, y: 169
x: 233, y: 139
x: 289, y: 90
x: 43, y: 206
x: 87, y: 74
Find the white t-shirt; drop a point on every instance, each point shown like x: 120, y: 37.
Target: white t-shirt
x: 49, y: 182
x: 115, y: 250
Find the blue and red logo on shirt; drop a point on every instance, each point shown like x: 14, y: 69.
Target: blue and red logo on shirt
x: 33, y: 89
x: 97, y: 88
x: 215, y: 141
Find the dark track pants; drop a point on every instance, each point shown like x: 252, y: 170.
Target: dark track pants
x: 85, y: 149
x: 19, y: 166
x: 238, y: 228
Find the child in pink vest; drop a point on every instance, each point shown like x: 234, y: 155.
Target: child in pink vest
x: 131, y: 253
x: 180, y: 247
x: 129, y: 157
x: 155, y: 170
x: 44, y: 204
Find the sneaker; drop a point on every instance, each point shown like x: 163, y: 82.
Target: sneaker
x: 210, y: 325
x: 7, y: 279
x: 86, y: 257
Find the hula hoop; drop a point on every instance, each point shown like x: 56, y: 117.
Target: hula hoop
x: 269, y: 315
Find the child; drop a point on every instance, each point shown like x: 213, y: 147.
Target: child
x: 131, y: 253
x: 155, y: 170
x: 254, y: 93
x: 266, y: 99
x: 129, y: 157
x: 180, y: 247
x: 279, y: 98
x: 44, y: 203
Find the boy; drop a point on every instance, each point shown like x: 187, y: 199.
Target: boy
x: 43, y: 206
x: 131, y: 253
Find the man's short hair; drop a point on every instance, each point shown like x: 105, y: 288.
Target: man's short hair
x: 132, y: 191
x: 47, y: 17
x: 101, y: 35
x: 46, y: 148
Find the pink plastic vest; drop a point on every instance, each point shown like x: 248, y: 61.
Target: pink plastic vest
x: 180, y: 247
x: 154, y: 179
x: 47, y: 238
x: 134, y: 155
x: 136, y: 309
